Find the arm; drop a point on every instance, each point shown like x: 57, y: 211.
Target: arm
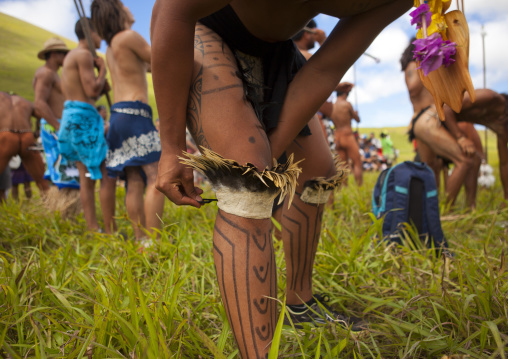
x: 466, y: 145
x: 137, y: 44
x: 172, y: 33
x: 353, y: 113
x: 42, y: 88
x: 324, y: 70
x: 92, y: 85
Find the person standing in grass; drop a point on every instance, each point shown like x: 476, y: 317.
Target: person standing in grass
x: 345, y: 142
x: 49, y: 103
x: 81, y: 134
x: 134, y: 143
x: 434, y: 139
x: 17, y: 138
x: 250, y: 99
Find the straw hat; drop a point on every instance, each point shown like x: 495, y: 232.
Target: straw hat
x: 53, y: 44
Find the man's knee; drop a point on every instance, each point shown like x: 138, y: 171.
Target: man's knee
x: 243, y: 190
x: 318, y: 190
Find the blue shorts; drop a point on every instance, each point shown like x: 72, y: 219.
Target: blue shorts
x: 81, y: 136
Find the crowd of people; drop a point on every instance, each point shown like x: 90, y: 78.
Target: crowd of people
x: 248, y: 91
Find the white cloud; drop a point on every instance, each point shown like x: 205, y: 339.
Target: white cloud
x: 58, y: 16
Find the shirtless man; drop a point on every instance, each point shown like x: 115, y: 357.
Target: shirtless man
x: 250, y: 99
x: 81, y: 134
x: 490, y: 109
x: 16, y: 137
x: 345, y: 141
x: 49, y: 104
x: 433, y: 139
x: 134, y: 144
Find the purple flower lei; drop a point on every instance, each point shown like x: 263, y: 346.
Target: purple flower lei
x: 432, y: 51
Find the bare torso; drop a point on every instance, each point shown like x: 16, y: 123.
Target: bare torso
x: 128, y: 70
x: 419, y: 96
x: 342, y: 116
x: 5, y: 111
x: 72, y: 86
x: 56, y: 97
x: 487, y: 110
x: 279, y: 20
x: 15, y: 113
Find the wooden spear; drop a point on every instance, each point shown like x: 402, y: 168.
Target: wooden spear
x: 88, y: 35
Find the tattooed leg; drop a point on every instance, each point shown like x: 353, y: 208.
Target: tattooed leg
x: 245, y: 265
x: 301, y: 224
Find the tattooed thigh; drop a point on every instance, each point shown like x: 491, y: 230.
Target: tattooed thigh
x: 215, y: 73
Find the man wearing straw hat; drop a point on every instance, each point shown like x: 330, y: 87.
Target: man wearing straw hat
x: 133, y: 140
x: 81, y: 134
x: 49, y: 103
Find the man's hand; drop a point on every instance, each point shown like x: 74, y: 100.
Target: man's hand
x: 99, y: 62
x: 467, y: 146
x: 319, y: 36
x: 176, y: 181
x: 344, y: 87
x: 106, y: 88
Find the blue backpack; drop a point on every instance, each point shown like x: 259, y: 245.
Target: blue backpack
x: 407, y: 193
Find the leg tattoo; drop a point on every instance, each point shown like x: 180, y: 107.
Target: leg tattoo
x: 245, y: 265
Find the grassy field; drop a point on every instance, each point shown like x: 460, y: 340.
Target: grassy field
x: 20, y: 43
x: 67, y: 293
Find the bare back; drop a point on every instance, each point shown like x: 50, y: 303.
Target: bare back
x: 6, y: 110
x: 488, y: 110
x: 77, y: 66
x: 47, y: 84
x: 342, y: 115
x: 22, y: 111
x: 128, y: 59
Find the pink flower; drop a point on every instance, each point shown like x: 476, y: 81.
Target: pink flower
x: 432, y: 52
x: 417, y: 16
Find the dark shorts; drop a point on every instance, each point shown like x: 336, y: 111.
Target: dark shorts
x: 20, y: 175
x: 266, y: 68
x: 132, y: 138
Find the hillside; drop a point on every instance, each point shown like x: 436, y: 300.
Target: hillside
x: 20, y: 43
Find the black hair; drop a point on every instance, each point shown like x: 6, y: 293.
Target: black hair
x: 108, y: 17
x: 79, y: 28
x: 407, y: 55
x: 311, y: 24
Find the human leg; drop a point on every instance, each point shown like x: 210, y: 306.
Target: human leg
x: 220, y: 118
x: 428, y: 129
x: 353, y: 152
x: 87, y: 196
x: 32, y: 160
x: 15, y: 192
x: 301, y: 223
x: 502, y: 149
x: 107, y: 197
x: 28, y: 190
x: 471, y: 180
x: 134, y: 200
x: 154, y: 199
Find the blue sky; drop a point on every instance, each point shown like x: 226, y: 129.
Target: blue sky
x: 381, y: 95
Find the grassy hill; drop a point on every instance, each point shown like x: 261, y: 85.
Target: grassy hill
x: 21, y: 42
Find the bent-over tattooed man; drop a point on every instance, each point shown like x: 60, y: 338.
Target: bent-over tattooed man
x: 250, y: 100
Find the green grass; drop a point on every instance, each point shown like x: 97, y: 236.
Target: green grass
x: 20, y: 43
x: 64, y: 292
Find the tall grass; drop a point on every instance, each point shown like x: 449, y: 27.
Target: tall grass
x: 67, y: 293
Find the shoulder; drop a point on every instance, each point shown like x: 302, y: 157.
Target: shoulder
x: 125, y: 37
